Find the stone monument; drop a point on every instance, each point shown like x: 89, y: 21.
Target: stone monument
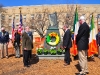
x: 53, y: 27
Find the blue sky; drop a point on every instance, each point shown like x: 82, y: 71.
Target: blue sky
x: 42, y: 2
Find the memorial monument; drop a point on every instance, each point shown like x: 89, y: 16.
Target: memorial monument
x: 52, y: 38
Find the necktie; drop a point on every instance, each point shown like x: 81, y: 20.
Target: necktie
x: 2, y: 34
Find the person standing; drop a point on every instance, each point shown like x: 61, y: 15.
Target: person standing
x: 4, y: 40
x: 31, y: 37
x: 67, y: 44
x: 17, y: 43
x: 98, y: 42
x: 27, y: 45
x: 82, y: 42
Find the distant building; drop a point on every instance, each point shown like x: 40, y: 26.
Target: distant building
x: 63, y: 11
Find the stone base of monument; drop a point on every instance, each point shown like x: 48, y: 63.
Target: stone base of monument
x: 51, y: 56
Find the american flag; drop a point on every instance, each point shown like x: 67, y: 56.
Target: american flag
x: 13, y: 27
x: 21, y: 24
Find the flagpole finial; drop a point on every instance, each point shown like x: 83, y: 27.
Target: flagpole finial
x: 76, y: 5
x: 20, y: 8
x: 92, y: 14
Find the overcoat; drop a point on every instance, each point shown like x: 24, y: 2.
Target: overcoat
x: 82, y: 38
x: 27, y: 42
x: 67, y: 42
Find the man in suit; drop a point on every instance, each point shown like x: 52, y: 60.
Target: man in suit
x: 30, y: 34
x: 4, y: 40
x: 82, y: 41
x: 27, y: 45
x: 17, y: 43
x: 67, y: 44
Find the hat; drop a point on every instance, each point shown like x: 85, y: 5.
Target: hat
x: 82, y: 18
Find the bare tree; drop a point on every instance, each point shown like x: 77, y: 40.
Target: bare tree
x: 66, y: 15
x: 1, y: 9
x: 2, y: 12
x: 40, y: 22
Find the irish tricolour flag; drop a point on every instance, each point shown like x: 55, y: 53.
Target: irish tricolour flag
x: 75, y: 30
x: 92, y: 40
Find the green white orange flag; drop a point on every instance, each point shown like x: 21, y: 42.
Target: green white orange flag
x: 92, y: 40
x: 75, y: 30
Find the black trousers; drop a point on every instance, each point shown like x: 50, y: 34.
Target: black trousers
x: 67, y: 55
x: 30, y: 54
x: 26, y: 57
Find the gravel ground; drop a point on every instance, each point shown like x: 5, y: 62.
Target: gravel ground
x: 14, y: 66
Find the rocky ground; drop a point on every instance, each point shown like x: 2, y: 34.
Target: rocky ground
x: 14, y: 66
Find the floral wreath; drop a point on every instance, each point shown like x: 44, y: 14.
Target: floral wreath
x: 49, y: 36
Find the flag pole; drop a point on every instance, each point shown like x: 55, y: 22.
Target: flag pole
x: 0, y: 22
x: 20, y: 9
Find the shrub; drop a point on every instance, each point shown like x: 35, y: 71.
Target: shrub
x: 59, y: 51
x: 45, y: 51
x: 40, y: 51
x: 53, y: 52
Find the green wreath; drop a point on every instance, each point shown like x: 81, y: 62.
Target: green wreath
x: 49, y: 36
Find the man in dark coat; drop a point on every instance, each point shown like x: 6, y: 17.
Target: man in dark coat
x: 98, y: 42
x: 67, y: 44
x: 27, y: 46
x: 17, y: 43
x: 4, y: 40
x: 30, y: 34
x: 82, y: 41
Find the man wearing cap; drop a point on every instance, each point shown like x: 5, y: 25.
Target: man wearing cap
x: 82, y: 40
x: 4, y: 40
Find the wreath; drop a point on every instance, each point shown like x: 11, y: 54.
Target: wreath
x: 51, y: 35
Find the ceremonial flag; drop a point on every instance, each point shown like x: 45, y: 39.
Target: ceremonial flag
x: 75, y: 30
x: 21, y: 24
x: 92, y: 40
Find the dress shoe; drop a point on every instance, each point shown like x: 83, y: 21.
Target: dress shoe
x: 18, y: 56
x: 7, y: 57
x: 81, y: 74
x: 26, y: 66
x: 66, y: 64
x: 87, y: 72
x: 15, y: 56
